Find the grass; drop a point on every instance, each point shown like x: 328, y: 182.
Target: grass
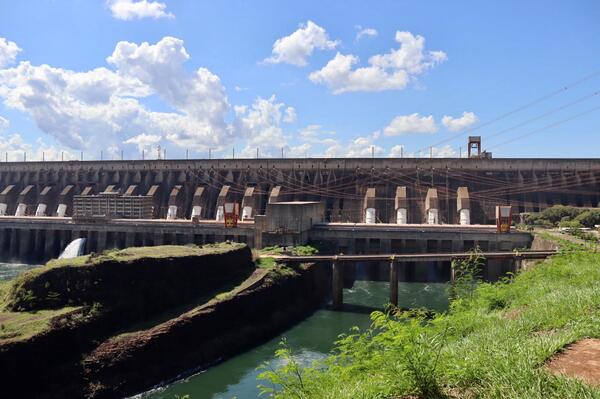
x: 135, y: 253
x: 16, y: 326
x: 492, y: 343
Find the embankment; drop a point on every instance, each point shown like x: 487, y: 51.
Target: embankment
x: 143, y: 315
x: 209, y: 333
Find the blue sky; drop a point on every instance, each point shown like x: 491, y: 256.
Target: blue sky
x: 77, y: 76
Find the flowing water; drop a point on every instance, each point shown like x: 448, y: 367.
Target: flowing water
x: 309, y: 340
x: 8, y: 271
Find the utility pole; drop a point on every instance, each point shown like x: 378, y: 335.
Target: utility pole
x: 158, y: 152
x: 281, y: 152
x: 372, y: 152
x: 43, y: 157
x: 402, y: 152
x: 82, y: 155
x: 233, y: 153
x: 430, y: 152
x: 142, y: 154
x: 121, y: 155
x: 101, y: 155
x: 186, y: 154
x: 62, y: 155
x: 24, y: 157
x: 209, y: 154
x: 256, y: 152
x: 164, y: 153
x: 460, y: 152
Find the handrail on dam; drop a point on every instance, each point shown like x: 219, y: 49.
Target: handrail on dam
x: 394, y: 259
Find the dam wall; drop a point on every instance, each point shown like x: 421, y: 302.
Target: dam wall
x: 342, y: 184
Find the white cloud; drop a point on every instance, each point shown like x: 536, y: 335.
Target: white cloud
x: 457, y: 124
x: 14, y: 148
x: 397, y: 151
x: 260, y: 125
x: 8, y: 52
x: 390, y: 71
x: 413, y: 123
x: 101, y: 107
x: 362, y: 32
x: 137, y: 9
x: 290, y: 115
x: 144, y: 141
x: 298, y: 46
x: 443, y: 152
x: 4, y: 123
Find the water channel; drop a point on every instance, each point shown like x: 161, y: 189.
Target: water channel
x: 309, y: 340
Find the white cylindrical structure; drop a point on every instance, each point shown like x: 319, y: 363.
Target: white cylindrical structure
x: 370, y: 215
x: 3, y: 209
x: 41, y: 210
x: 247, y: 213
x: 220, y: 214
x: 465, y: 216
x: 196, y: 211
x: 401, y: 216
x: 61, y: 210
x: 172, y: 212
x: 433, y: 216
x: 21, y: 208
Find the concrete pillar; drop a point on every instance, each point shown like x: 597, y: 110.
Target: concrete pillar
x: 25, y: 241
x: 49, y: 244
x: 129, y: 240
x: 159, y: 238
x: 432, y: 206
x: 401, y: 206
x: 393, y: 283
x: 14, y: 244
x: 101, y: 246
x: 463, y: 206
x: 337, y: 293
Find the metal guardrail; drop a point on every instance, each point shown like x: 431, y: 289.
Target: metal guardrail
x: 415, y: 257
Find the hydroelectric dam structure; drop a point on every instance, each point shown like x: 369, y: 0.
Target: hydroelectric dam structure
x: 354, y: 205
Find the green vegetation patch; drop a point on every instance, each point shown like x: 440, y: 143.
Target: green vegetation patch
x: 22, y: 325
x: 492, y: 343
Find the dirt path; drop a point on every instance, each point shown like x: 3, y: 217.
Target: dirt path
x: 580, y: 360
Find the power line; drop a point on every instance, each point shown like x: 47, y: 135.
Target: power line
x: 520, y: 108
x: 546, y: 127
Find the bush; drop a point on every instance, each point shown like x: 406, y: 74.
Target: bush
x: 589, y: 218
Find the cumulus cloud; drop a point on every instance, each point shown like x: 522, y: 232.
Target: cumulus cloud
x: 408, y: 124
x: 290, y: 115
x: 144, y: 141
x: 389, y: 71
x: 8, y: 52
x: 467, y: 120
x: 298, y: 46
x: 362, y: 32
x: 138, y: 9
x: 260, y: 125
x: 102, y: 107
x: 4, y: 123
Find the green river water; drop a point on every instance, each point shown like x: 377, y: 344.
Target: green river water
x: 310, y: 339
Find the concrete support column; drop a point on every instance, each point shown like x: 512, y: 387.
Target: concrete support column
x: 101, y: 246
x: 393, y: 282
x: 517, y: 264
x: 337, y: 293
x: 49, y: 245
x: 14, y: 244
x: 159, y: 238
x: 129, y: 240
x: 25, y: 238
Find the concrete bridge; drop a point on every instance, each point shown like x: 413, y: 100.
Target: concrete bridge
x: 395, y: 260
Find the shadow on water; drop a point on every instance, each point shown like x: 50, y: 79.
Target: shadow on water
x: 311, y: 339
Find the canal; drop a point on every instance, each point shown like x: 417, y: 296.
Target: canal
x: 311, y: 339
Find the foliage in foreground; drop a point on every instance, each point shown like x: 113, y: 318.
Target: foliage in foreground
x: 492, y: 343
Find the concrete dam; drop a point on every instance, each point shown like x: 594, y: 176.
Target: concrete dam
x: 356, y: 205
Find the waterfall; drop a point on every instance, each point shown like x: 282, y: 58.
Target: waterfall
x: 74, y: 249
